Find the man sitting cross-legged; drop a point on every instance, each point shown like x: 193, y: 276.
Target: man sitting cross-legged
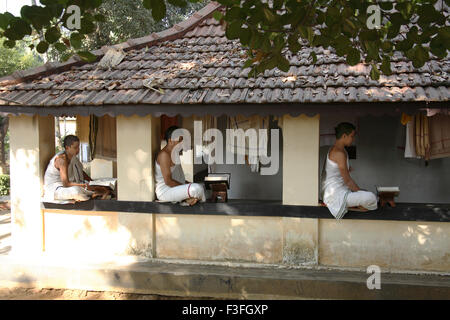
x: 170, y: 179
x: 340, y: 192
x: 65, y: 179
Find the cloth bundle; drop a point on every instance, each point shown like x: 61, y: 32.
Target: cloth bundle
x: 427, y: 137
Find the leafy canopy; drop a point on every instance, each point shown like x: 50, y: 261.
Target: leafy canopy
x: 123, y: 20
x: 359, y: 30
x: 18, y: 58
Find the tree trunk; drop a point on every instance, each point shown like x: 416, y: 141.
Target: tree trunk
x: 4, y: 124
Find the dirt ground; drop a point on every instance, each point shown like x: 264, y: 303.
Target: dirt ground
x: 65, y: 294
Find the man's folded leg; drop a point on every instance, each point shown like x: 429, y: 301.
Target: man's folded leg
x: 72, y: 193
x: 183, y: 192
x: 365, y: 199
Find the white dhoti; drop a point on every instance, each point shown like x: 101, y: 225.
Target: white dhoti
x: 183, y: 192
x: 365, y: 199
x: 337, y: 195
x: 72, y: 193
x: 178, y: 193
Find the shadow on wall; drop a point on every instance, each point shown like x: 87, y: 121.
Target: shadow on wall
x: 219, y: 238
x: 390, y: 244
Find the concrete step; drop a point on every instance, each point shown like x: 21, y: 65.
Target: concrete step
x: 219, y: 281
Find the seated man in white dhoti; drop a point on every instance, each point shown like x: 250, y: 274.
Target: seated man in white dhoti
x: 65, y: 179
x: 170, y: 181
x: 340, y: 192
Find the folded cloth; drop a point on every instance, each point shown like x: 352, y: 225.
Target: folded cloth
x: 422, y: 137
x: 75, y: 171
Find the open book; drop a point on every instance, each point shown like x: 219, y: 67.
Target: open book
x: 104, y: 182
x: 388, y: 189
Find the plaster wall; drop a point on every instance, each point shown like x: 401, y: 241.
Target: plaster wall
x: 300, y: 160
x: 97, y: 236
x: 402, y: 245
x: 257, y: 239
x: 391, y: 245
x: 237, y: 238
x: 137, y: 144
x: 31, y: 148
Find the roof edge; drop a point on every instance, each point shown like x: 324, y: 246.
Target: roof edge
x: 175, y: 32
x: 310, y: 109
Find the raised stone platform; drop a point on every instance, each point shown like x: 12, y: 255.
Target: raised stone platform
x: 231, y: 281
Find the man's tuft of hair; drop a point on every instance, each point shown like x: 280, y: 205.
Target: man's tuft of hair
x: 169, y: 132
x: 344, y: 127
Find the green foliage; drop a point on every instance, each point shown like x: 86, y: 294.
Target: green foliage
x: 18, y: 58
x: 117, y: 21
x: 4, y: 185
x: 268, y: 29
x: 277, y: 28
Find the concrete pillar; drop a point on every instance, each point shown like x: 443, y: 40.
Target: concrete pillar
x: 300, y: 187
x: 32, y: 144
x: 138, y: 142
x: 301, y: 160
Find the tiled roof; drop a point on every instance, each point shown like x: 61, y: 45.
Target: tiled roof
x: 201, y: 66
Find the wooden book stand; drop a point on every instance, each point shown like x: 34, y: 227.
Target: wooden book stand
x: 387, y: 197
x: 219, y: 192
x: 219, y: 183
x: 387, y: 194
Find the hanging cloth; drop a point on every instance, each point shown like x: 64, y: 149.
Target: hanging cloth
x: 106, y: 140
x: 422, y: 138
x: 439, y: 136
x: 410, y: 146
x: 251, y: 153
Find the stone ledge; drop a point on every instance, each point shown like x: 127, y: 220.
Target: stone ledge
x: 197, y: 280
x: 403, y: 211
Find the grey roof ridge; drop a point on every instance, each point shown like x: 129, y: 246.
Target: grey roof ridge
x: 175, y: 32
